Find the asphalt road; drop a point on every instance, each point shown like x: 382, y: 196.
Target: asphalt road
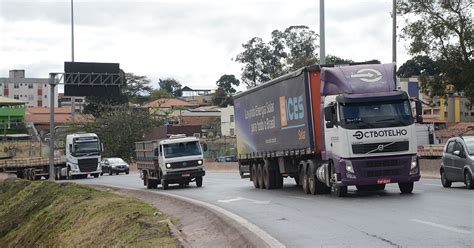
x: 430, y: 217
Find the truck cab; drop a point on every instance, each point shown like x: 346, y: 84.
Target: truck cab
x: 177, y: 160
x: 83, y: 154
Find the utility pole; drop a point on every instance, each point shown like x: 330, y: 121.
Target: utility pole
x: 52, y: 85
x: 322, y: 36
x: 73, y: 99
x: 394, y: 31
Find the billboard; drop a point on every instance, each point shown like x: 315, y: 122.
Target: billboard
x: 91, y: 79
x: 274, y: 118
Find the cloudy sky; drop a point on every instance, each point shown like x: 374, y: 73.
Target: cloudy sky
x: 193, y: 41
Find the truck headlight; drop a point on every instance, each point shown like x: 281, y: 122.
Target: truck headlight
x: 349, y: 166
x: 413, y: 162
x: 168, y: 166
x: 200, y: 162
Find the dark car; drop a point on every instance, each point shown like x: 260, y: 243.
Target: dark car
x: 114, y: 165
x: 227, y: 159
x: 458, y: 162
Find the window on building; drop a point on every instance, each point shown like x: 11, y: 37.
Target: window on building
x: 45, y: 85
x: 231, y: 131
x: 445, y: 114
x: 16, y: 97
x: 16, y: 85
x: 78, y: 100
x: 30, y: 86
x: 45, y: 96
x: 472, y: 113
x: 5, y: 86
x: 30, y: 98
x: 231, y: 118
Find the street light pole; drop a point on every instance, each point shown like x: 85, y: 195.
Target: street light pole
x: 322, y: 36
x: 73, y: 99
x: 394, y: 31
x: 52, y: 85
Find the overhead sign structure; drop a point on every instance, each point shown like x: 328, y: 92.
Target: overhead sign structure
x: 91, y: 79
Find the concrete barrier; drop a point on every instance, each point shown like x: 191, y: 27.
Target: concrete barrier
x: 430, y: 168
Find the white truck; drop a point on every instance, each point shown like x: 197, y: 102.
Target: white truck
x: 177, y: 160
x: 29, y: 160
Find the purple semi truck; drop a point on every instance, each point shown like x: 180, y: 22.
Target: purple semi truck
x: 329, y: 127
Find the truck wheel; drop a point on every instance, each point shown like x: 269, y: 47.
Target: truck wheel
x: 406, y: 188
x: 339, y: 191
x: 278, y: 179
x: 297, y: 181
x: 199, y: 182
x: 315, y: 186
x: 260, y: 176
x: 253, y: 175
x: 304, y: 174
x: 268, y: 176
x: 164, y: 184
x: 468, y: 180
x: 68, y: 174
x: 110, y: 172
x: 444, y: 180
x: 96, y: 175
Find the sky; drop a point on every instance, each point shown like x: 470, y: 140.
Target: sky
x: 193, y: 41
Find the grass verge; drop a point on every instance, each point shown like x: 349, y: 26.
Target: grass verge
x: 46, y: 214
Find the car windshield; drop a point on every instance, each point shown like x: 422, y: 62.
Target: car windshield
x: 182, y: 149
x: 375, y: 114
x: 115, y: 160
x: 470, y: 146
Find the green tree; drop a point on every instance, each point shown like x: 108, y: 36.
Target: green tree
x: 254, y: 57
x: 171, y: 86
x: 332, y: 59
x: 444, y: 31
x: 301, y: 43
x: 227, y: 83
x: 418, y: 65
x: 159, y: 94
x: 221, y: 98
x: 119, y: 129
x: 136, y: 86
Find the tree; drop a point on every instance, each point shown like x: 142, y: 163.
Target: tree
x: 119, y: 129
x: 159, y: 94
x: 301, y: 43
x: 136, y: 86
x: 221, y: 98
x: 226, y: 82
x: 444, y: 31
x: 332, y: 59
x: 291, y: 49
x: 171, y: 86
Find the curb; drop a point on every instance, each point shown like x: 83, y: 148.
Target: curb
x: 266, y: 238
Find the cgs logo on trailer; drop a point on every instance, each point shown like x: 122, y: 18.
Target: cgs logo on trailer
x: 291, y: 109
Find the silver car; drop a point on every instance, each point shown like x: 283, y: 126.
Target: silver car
x: 458, y: 162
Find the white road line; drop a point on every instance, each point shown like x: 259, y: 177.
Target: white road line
x: 238, y: 198
x: 431, y: 184
x: 449, y: 228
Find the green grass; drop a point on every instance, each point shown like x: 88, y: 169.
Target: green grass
x: 46, y: 214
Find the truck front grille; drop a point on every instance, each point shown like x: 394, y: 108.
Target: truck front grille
x: 383, y: 173
x: 380, y: 147
x: 184, y: 164
x: 88, y: 165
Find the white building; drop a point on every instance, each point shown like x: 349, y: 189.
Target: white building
x: 66, y: 101
x: 34, y: 91
x: 227, y: 121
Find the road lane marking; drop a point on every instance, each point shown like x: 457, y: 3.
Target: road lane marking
x: 238, y: 198
x: 431, y: 184
x: 449, y: 228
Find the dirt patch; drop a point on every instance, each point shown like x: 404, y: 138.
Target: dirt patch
x: 221, y: 167
x: 4, y: 176
x: 199, y: 226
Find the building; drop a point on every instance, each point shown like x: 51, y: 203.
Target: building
x: 197, y: 97
x: 164, y: 132
x: 66, y: 101
x: 168, y: 108
x: 227, y: 121
x: 12, y: 115
x: 34, y: 91
x: 40, y: 117
x: 208, y: 117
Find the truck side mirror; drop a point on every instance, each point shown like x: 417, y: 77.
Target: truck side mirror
x: 419, y: 112
x: 101, y: 147
x: 204, y: 147
x: 328, y: 116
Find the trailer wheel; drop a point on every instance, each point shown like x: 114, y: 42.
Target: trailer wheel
x: 315, y: 186
x: 260, y: 176
x: 304, y: 175
x: 297, y: 180
x: 253, y: 175
x: 278, y: 179
x: 268, y: 176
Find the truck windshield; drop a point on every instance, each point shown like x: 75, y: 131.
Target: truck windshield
x: 87, y: 146
x: 182, y: 149
x: 375, y: 114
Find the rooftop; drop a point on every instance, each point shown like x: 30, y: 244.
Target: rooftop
x: 168, y: 103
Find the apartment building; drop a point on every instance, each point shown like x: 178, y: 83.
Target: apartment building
x: 35, y: 92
